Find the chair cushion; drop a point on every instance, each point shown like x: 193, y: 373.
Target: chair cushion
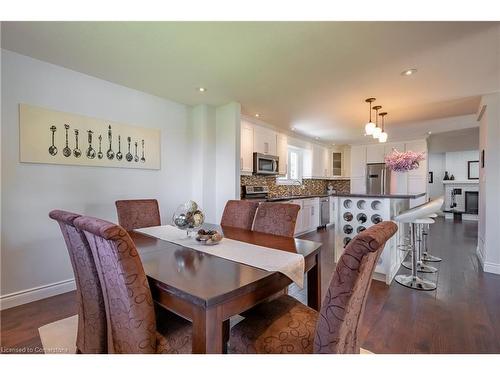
x: 283, y: 326
x: 174, y: 334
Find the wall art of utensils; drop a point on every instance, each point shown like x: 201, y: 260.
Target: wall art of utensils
x: 110, y: 154
x: 53, y: 137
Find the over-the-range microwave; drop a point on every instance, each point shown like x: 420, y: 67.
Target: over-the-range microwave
x: 264, y: 164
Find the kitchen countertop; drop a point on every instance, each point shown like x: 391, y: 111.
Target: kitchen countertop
x: 387, y: 196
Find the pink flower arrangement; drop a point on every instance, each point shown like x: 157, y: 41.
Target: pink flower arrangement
x: 404, y: 161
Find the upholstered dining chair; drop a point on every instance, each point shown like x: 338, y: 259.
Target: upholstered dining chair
x: 239, y: 214
x: 91, y: 334
x: 138, y: 213
x: 276, y: 218
x: 130, y: 312
x: 286, y: 326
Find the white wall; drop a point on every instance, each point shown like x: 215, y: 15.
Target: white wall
x: 456, y: 163
x: 202, y: 130
x: 227, y: 155
x: 489, y: 184
x: 33, y: 252
x: 437, y: 167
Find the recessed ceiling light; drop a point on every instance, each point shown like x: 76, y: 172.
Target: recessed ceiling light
x: 293, y: 129
x: 408, y: 72
x: 257, y: 115
x: 429, y: 133
x: 201, y: 89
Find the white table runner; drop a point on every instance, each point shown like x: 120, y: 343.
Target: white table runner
x: 289, y: 264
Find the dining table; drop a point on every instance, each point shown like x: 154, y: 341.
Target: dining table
x: 208, y: 290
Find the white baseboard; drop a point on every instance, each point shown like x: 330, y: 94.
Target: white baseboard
x: 34, y: 294
x: 491, y: 267
x: 480, y: 256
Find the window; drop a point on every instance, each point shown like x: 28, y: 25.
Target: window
x: 294, y: 168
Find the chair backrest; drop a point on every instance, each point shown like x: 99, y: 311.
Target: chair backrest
x: 138, y: 213
x: 239, y: 214
x: 276, y: 218
x: 131, y: 321
x: 91, y: 336
x: 342, y: 309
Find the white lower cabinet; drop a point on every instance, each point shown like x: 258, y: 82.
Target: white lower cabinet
x: 309, y: 215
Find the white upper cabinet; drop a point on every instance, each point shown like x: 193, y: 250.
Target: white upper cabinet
x: 375, y: 153
x: 282, y: 149
x: 358, y: 161
x: 264, y: 140
x: 246, y: 149
x: 317, y: 162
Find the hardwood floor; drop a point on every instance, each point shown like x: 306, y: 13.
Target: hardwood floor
x: 461, y: 316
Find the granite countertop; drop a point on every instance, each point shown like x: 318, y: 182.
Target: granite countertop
x: 388, y: 196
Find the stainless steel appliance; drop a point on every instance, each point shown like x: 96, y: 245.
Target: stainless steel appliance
x: 378, y: 179
x: 324, y: 209
x: 264, y: 164
x: 259, y: 193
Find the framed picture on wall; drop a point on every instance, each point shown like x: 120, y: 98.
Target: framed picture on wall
x: 431, y: 178
x: 473, y: 170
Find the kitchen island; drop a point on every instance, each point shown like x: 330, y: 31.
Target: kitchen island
x: 353, y: 213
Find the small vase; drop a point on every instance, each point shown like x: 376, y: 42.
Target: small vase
x: 452, y: 177
x: 446, y: 177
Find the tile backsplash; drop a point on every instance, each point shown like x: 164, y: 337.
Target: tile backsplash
x: 308, y: 187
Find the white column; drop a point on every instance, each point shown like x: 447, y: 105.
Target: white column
x: 488, y: 248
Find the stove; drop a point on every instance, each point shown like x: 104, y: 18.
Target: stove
x: 259, y: 193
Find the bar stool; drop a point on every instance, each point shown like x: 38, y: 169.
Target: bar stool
x: 416, y: 217
x: 419, y: 248
x: 425, y: 256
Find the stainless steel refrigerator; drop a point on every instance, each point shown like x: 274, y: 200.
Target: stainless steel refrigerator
x: 378, y: 179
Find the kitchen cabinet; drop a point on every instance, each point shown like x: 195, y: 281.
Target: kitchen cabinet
x: 264, y: 140
x: 282, y: 149
x: 358, y: 161
x: 375, y: 153
x: 358, y: 185
x: 310, y: 214
x: 299, y: 226
x: 246, y: 147
x: 317, y: 162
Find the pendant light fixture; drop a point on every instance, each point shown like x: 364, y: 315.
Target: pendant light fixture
x: 370, y: 125
x: 377, y: 131
x: 383, y: 136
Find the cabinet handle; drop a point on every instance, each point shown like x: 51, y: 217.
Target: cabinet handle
x: 312, y: 210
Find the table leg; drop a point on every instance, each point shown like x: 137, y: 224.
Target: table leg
x: 314, y: 285
x: 208, y: 331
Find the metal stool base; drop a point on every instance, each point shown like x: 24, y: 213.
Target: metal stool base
x: 430, y: 258
x: 415, y: 282
x: 424, y: 268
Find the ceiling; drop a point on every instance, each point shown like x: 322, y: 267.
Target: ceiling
x: 313, y: 76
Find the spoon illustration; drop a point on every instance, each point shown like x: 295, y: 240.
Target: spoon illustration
x: 136, y: 158
x: 66, y: 150
x: 143, y: 159
x: 90, y: 150
x: 110, y: 154
x: 119, y: 155
x: 53, y: 148
x: 129, y: 156
x: 76, y: 152
x: 100, y: 154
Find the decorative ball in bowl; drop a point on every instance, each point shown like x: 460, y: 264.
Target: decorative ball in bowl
x: 209, y: 237
x: 188, y: 216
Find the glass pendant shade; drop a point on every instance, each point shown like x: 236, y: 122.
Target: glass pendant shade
x: 376, y: 132
x: 369, y: 127
x: 382, y: 137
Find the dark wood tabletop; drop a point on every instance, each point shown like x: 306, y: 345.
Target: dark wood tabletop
x: 208, y: 290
